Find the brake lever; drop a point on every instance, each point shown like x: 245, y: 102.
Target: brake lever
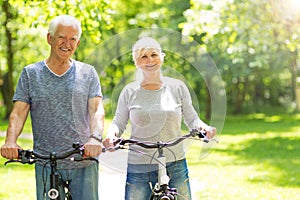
x: 113, y: 148
x: 118, y: 141
x: 11, y: 161
x: 30, y: 161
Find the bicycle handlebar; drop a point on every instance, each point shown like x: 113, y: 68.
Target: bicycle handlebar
x: 120, y: 142
x: 30, y: 157
x: 161, y: 189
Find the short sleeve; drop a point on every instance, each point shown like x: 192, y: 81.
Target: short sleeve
x: 22, y: 90
x: 95, y: 87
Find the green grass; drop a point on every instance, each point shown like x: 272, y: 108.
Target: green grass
x: 257, y: 157
x: 17, y: 181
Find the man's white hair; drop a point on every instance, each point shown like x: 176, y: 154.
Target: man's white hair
x: 65, y: 20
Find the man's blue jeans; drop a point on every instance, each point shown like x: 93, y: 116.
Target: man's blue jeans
x: 139, y: 176
x: 83, y: 182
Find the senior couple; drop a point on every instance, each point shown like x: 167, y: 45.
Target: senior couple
x: 64, y: 99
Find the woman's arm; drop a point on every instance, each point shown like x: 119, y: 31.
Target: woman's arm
x: 191, y: 117
x: 120, y: 120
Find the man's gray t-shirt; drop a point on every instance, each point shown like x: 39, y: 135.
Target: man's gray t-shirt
x: 58, y: 106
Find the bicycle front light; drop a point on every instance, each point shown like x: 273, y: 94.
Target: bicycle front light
x: 165, y: 180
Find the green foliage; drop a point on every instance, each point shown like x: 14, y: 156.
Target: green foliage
x: 253, y: 43
x: 247, y: 41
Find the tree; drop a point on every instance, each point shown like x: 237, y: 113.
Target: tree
x: 7, y: 89
x: 130, y: 15
x: 247, y: 43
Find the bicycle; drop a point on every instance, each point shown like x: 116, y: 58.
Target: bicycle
x: 161, y: 190
x: 31, y: 157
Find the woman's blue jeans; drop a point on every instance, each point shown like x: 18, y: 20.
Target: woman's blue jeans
x: 83, y: 182
x: 139, y: 176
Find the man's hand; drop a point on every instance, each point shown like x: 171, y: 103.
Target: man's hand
x: 92, y: 148
x: 10, y: 150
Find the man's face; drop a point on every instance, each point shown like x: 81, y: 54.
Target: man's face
x: 64, y: 42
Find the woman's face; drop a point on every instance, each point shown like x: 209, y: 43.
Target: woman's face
x: 149, y: 60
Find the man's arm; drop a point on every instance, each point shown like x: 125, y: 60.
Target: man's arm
x: 96, y: 112
x: 17, y: 119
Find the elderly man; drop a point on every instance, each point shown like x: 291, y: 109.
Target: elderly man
x: 64, y: 99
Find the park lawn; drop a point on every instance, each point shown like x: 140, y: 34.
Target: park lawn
x: 257, y: 157
x: 17, y: 180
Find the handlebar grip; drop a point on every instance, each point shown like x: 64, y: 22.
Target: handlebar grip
x: 20, y: 152
x: 24, y: 153
x: 201, y: 134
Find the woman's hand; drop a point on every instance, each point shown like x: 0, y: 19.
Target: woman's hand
x: 211, y: 132
x: 109, y: 140
x: 111, y: 136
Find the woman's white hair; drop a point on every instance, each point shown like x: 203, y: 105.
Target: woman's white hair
x: 65, y: 20
x: 145, y: 43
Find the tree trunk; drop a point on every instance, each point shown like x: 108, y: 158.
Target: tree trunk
x: 295, y: 84
x: 240, y: 96
x: 7, y: 88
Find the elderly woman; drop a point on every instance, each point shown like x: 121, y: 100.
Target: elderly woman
x: 155, y: 106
